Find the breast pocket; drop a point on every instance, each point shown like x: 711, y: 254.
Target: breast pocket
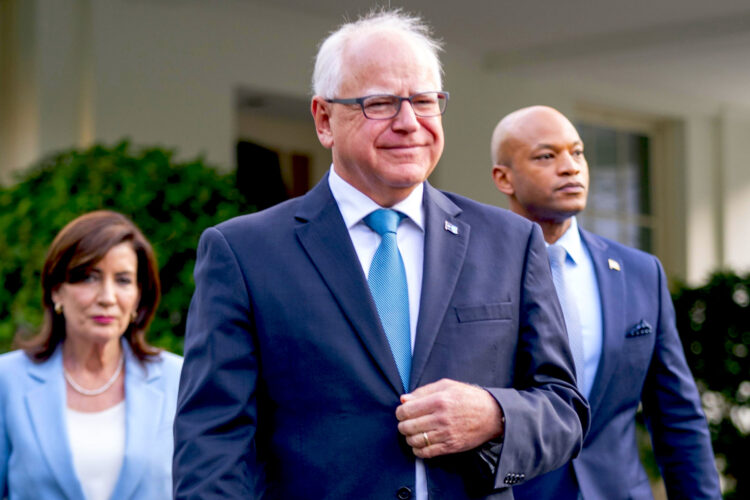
x: 477, y: 342
x: 637, y: 352
x: 486, y: 312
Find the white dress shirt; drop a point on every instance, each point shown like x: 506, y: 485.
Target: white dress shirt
x: 580, y: 277
x: 97, y: 443
x: 354, y: 207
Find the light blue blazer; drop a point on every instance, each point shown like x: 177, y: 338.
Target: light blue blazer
x: 35, y: 457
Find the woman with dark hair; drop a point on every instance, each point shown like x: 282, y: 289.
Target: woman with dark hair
x: 86, y: 407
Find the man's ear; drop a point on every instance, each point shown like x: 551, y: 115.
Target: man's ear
x: 322, y: 117
x: 503, y: 177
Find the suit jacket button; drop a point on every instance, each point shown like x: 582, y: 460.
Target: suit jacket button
x: 403, y: 493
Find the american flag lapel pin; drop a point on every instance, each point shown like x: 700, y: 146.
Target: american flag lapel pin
x: 451, y: 227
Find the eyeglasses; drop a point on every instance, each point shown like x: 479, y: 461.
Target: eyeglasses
x: 387, y: 106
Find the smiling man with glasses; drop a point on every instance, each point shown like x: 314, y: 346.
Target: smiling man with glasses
x: 375, y: 338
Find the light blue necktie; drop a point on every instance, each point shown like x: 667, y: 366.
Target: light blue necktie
x: 557, y: 255
x: 387, y: 280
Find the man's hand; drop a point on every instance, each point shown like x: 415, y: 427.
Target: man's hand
x: 448, y: 417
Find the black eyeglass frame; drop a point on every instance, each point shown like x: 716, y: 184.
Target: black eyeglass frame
x: 361, y: 102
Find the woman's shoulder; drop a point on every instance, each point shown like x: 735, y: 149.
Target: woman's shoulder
x: 13, y: 366
x: 13, y: 360
x: 170, y: 359
x: 169, y: 363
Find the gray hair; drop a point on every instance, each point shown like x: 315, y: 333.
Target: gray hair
x: 328, y: 72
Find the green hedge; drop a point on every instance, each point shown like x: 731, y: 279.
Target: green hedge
x: 714, y: 323
x: 170, y: 201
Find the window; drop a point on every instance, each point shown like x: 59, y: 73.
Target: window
x: 619, y: 204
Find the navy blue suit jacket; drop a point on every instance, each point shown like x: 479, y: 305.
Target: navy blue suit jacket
x: 642, y: 361
x: 289, y: 387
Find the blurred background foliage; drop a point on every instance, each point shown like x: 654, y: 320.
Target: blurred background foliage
x: 714, y: 323
x: 171, y: 202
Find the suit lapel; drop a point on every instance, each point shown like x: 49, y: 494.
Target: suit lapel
x: 144, y: 405
x: 46, y: 405
x: 445, y: 245
x: 612, y: 295
x: 323, y: 234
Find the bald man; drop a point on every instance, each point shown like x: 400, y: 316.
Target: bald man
x: 621, y: 319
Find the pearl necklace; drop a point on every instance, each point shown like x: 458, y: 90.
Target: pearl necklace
x: 100, y: 390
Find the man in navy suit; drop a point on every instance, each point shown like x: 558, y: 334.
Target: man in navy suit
x: 631, y: 352
x: 295, y: 385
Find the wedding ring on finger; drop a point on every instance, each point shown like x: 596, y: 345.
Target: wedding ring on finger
x: 426, y: 440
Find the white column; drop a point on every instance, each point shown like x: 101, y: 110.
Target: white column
x: 735, y: 137
x: 46, y: 80
x: 19, y: 107
x: 703, y: 174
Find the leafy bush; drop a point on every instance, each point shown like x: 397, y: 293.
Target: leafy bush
x: 714, y: 323
x: 171, y: 202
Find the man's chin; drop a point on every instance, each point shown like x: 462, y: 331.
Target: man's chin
x: 571, y: 207
x: 558, y: 216
x: 405, y: 175
x: 567, y: 214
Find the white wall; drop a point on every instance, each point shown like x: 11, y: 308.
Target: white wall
x: 167, y: 71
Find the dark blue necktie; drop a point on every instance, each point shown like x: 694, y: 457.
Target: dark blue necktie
x: 387, y: 280
x: 557, y: 255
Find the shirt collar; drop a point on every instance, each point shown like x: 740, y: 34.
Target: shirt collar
x: 571, y: 242
x: 355, y: 205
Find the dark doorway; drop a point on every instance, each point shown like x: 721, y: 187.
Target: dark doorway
x: 259, y: 175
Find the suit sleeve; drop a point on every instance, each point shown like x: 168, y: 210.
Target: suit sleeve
x: 216, y: 419
x: 545, y: 415
x: 672, y: 407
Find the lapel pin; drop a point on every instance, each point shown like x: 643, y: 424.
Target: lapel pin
x: 451, y: 227
x: 613, y: 264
